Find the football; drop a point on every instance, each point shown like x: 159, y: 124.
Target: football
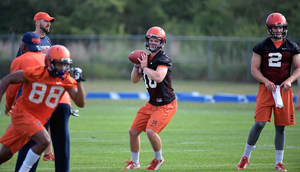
x: 135, y: 55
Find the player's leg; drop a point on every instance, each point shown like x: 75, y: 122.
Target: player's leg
x: 60, y: 137
x: 160, y: 118
x: 250, y: 145
x: 5, y: 154
x: 138, y: 125
x: 48, y: 155
x: 23, y: 152
x: 279, y: 147
x: 22, y: 155
x: 134, y: 142
x: 255, y: 132
x: 42, y: 140
x: 263, y: 112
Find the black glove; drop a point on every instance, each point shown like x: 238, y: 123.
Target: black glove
x: 77, y: 74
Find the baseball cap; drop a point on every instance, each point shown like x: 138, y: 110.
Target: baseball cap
x: 32, y: 40
x: 43, y: 15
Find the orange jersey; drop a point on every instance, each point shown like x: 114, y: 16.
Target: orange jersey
x: 42, y: 92
x: 29, y: 59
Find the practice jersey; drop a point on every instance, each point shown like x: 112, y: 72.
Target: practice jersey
x: 276, y: 62
x: 45, y: 44
x: 160, y: 93
x: 42, y: 92
x: 29, y: 59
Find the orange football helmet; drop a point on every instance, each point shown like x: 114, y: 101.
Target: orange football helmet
x: 155, y: 32
x: 58, y: 54
x: 276, y: 19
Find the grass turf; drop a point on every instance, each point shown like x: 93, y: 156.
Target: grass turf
x: 200, y: 137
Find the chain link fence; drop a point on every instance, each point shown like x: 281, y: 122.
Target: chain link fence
x: 106, y: 56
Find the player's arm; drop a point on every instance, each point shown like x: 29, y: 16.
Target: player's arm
x: 78, y: 95
x: 136, y: 73
x: 157, y: 75
x: 11, y: 94
x: 295, y: 75
x: 12, y: 78
x: 255, y: 65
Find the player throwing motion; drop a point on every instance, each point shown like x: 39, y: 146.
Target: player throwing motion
x: 153, y: 117
x: 42, y: 89
x: 271, y: 66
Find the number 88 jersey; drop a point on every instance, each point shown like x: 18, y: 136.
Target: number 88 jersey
x: 42, y: 92
x: 160, y: 93
x: 276, y: 62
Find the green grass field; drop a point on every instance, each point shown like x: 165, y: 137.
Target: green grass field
x: 200, y: 137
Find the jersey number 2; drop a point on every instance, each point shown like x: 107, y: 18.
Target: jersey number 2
x: 274, y: 60
x: 37, y: 96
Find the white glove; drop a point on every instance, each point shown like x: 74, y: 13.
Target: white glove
x: 74, y: 112
x: 77, y: 74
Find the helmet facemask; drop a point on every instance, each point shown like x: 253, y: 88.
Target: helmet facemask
x: 62, y: 74
x: 158, y: 47
x: 273, y: 35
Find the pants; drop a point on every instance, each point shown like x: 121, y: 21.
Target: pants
x: 60, y: 140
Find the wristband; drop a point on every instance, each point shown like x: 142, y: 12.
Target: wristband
x: 136, y: 66
x: 143, y: 67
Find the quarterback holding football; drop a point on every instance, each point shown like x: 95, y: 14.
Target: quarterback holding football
x: 155, y: 69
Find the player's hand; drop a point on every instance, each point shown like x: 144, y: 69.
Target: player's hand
x: 7, y: 111
x: 74, y: 112
x: 286, y: 86
x: 270, y: 86
x: 77, y: 74
x: 144, y: 60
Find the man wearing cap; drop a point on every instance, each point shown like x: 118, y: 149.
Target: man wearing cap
x: 31, y: 56
x: 42, y: 26
x: 60, y: 117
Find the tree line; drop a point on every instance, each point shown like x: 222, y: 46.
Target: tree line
x: 234, y: 18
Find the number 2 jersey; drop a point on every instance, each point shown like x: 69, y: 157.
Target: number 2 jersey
x: 160, y: 93
x: 276, y: 62
x: 42, y: 92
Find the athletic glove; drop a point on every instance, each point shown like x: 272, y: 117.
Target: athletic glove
x: 77, y: 74
x: 74, y: 113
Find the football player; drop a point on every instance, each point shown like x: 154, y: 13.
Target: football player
x: 43, y: 87
x: 155, y: 69
x: 60, y: 117
x: 271, y: 66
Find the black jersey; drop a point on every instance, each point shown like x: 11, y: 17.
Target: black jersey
x: 276, y: 62
x: 160, y: 93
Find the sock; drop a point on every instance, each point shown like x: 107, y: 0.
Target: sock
x: 135, y: 156
x: 158, y: 155
x: 278, y: 156
x: 30, y: 159
x: 248, y: 150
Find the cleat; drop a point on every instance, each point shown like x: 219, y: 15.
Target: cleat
x: 49, y: 157
x: 280, y: 167
x: 131, y: 165
x: 155, y: 164
x: 243, y: 163
x: 298, y: 108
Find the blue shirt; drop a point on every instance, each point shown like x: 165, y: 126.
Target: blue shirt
x: 45, y: 45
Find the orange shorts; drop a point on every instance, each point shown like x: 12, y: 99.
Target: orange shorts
x: 154, y: 117
x: 23, y: 126
x: 265, y: 104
